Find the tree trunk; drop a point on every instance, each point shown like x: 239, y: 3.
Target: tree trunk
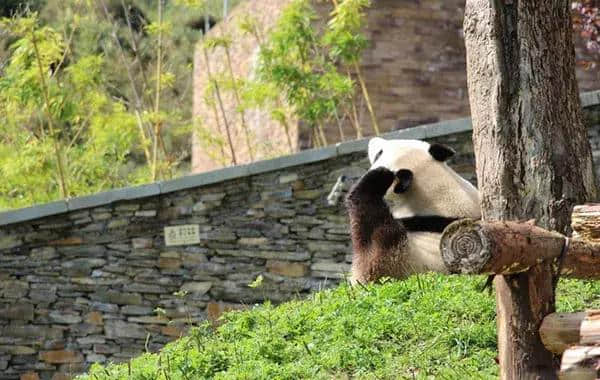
x: 532, y: 153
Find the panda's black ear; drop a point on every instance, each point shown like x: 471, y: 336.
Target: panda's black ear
x: 405, y: 178
x: 441, y: 152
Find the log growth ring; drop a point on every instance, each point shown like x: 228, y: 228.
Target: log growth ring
x: 464, y: 247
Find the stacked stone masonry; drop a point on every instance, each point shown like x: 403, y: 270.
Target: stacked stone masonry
x: 84, y: 286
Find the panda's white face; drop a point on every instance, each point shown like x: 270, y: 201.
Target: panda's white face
x: 434, y: 188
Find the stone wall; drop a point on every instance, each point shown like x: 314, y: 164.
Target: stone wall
x: 414, y: 68
x: 80, y: 280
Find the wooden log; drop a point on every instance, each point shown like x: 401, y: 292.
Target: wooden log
x: 585, y: 222
x: 582, y: 260
x: 560, y: 331
x: 580, y: 363
x: 590, y: 328
x: 478, y: 247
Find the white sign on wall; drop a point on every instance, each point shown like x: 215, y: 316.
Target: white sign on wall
x: 182, y: 235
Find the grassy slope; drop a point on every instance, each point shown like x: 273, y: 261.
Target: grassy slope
x: 427, y: 326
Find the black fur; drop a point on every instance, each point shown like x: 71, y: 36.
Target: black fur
x: 378, y: 155
x: 367, y: 209
x: 405, y: 178
x: 441, y: 152
x: 377, y: 237
x: 426, y: 223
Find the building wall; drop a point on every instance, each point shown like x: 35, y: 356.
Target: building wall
x: 268, y: 137
x: 414, y: 69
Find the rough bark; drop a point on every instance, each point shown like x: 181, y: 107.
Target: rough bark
x: 532, y: 154
x: 480, y: 247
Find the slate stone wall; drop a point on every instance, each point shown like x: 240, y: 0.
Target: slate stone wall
x: 82, y: 284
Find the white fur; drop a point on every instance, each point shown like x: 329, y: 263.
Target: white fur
x: 436, y: 190
x: 423, y: 253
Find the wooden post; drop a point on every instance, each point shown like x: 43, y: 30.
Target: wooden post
x: 532, y: 153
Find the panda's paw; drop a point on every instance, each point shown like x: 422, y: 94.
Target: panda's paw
x: 376, y: 182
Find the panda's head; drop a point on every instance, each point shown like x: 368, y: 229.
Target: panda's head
x: 425, y: 184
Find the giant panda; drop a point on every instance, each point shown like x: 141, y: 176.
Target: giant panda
x: 400, y: 206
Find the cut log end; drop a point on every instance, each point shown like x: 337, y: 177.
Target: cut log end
x: 464, y: 247
x: 560, y: 331
x: 479, y: 247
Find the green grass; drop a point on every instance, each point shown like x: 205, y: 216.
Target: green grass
x: 429, y: 326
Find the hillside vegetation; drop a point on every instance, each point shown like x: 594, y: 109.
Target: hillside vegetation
x: 96, y: 95
x: 429, y: 326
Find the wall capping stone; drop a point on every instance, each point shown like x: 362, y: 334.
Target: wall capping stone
x: 590, y: 98
x: 425, y: 131
x: 33, y: 212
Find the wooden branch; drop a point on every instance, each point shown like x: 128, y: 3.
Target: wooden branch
x: 585, y: 222
x: 478, y: 247
x: 580, y: 363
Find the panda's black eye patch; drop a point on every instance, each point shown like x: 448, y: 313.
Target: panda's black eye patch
x: 441, y: 152
x: 378, y: 155
x: 405, y: 178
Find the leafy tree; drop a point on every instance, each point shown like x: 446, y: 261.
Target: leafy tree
x: 346, y: 44
x: 306, y: 63
x: 233, y: 83
x: 61, y: 134
x: 292, y: 60
x: 96, y: 95
x: 262, y: 94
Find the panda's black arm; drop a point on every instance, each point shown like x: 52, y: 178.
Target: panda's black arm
x: 370, y: 218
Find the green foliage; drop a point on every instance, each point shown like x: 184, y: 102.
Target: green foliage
x: 86, y: 104
x: 343, y: 34
x: 429, y: 326
x: 78, y: 101
x: 287, y: 60
x: 306, y: 64
x: 49, y: 113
